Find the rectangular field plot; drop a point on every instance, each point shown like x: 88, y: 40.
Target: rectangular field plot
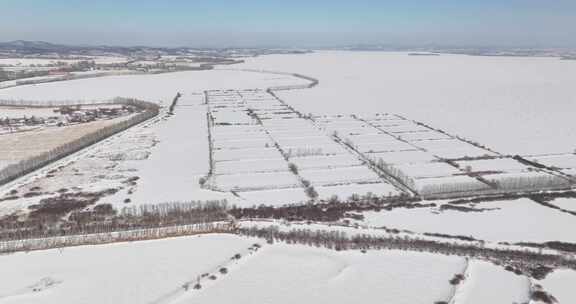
x: 233, y: 131
x: 424, y: 170
x: 231, y: 117
x: 385, y: 146
x: 306, y: 141
x: 452, y: 148
x: 271, y: 116
x: 449, y: 185
x: 530, y: 180
x: 345, y: 191
x: 403, y: 157
x: 246, y: 154
x: 222, y: 138
x: 370, y: 138
x: 247, y: 166
x: 348, y: 127
x: 397, y: 125
x: 404, y: 128
x: 317, y: 162
x: 242, y: 144
x: 347, y: 175
x: 334, y: 118
x: 285, y: 274
x: 488, y: 283
x: 495, y: 223
x: 279, y: 134
x: 564, y: 161
x: 191, y: 100
x: 313, y: 150
x: 443, y: 144
x: 275, y: 197
x: 490, y: 165
x: 278, y: 123
x: 565, y: 203
x: 347, y: 131
x: 256, y: 181
x: 420, y: 136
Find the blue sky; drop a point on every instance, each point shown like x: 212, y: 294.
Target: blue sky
x: 291, y: 22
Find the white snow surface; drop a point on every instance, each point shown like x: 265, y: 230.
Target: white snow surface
x: 139, y: 272
x: 512, y: 104
x: 158, y: 87
x: 560, y: 284
x: 283, y: 274
x: 487, y: 283
x: 512, y: 221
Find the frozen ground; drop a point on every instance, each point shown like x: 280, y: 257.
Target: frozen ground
x: 560, y: 284
x: 298, y: 274
x: 170, y: 154
x: 511, y: 221
x: 140, y: 272
x: 18, y: 146
x: 512, y: 104
x: 163, y: 161
x: 159, y: 87
x: 565, y: 203
x: 487, y: 283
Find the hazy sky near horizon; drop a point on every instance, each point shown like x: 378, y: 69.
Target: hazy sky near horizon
x: 291, y: 23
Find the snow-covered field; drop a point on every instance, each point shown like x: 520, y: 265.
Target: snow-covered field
x: 268, y: 151
x: 565, y: 203
x: 159, y: 87
x: 560, y: 284
x: 298, y: 274
x: 141, y: 272
x: 510, y: 221
x: 515, y: 105
x: 487, y: 283
x: 23, y: 145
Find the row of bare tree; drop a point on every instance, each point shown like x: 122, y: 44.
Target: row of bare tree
x: 105, y: 219
x: 116, y: 236
x: 532, y: 263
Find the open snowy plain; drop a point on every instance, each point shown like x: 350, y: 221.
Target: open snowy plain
x: 516, y: 105
x: 228, y: 138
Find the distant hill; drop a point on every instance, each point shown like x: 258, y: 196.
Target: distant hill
x: 33, y: 46
x: 42, y: 47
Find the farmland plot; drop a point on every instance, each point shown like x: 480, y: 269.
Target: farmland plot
x: 560, y: 284
x: 477, y: 96
x: 324, y: 276
x: 264, y: 132
x: 487, y: 283
x: 425, y: 160
x: 133, y: 164
x: 234, y: 155
x: 273, y: 197
x: 510, y: 221
x: 15, y: 147
x: 565, y: 163
x: 150, y: 87
x: 432, y: 162
x: 565, y: 203
x: 139, y: 272
x: 345, y: 191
